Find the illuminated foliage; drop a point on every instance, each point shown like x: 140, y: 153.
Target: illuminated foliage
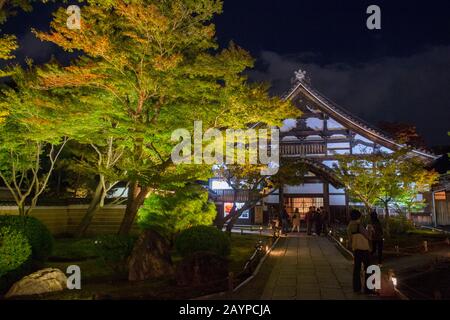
x: 177, y: 210
x: 158, y: 65
x: 385, y: 178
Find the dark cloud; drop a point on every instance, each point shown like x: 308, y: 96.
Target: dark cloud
x: 413, y: 89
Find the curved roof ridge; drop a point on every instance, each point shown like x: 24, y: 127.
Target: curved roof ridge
x: 300, y: 81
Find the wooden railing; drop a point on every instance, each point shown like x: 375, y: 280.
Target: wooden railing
x: 301, y: 149
x: 228, y: 195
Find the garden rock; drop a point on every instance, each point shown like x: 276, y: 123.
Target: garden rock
x: 150, y: 257
x: 202, y: 268
x: 42, y: 281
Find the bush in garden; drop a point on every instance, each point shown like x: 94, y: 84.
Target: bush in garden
x: 113, y: 248
x: 399, y: 225
x: 15, y: 250
x: 39, y: 237
x: 171, y: 213
x: 203, y: 238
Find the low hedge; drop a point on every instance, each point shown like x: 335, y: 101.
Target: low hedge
x: 39, y: 237
x: 15, y: 257
x: 15, y: 250
x: 203, y: 238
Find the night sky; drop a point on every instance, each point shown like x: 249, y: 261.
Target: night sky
x: 400, y: 73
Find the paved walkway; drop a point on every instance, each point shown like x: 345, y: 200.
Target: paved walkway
x: 310, y: 268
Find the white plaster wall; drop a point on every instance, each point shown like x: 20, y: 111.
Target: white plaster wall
x: 307, y: 188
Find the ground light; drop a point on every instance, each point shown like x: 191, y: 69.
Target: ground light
x: 393, y: 278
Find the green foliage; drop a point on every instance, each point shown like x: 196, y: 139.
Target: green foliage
x: 143, y: 78
x: 384, y: 178
x: 108, y: 248
x: 203, y: 238
x: 35, y: 128
x: 398, y: 225
x: 175, y: 211
x: 39, y: 237
x: 75, y: 249
x: 15, y: 249
x: 103, y: 256
x: 113, y: 248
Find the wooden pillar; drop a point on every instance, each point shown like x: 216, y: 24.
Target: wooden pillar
x: 347, y: 211
x: 326, y: 199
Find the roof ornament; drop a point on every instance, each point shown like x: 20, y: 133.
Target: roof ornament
x: 300, y: 75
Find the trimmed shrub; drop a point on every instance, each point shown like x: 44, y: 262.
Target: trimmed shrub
x: 15, y: 250
x: 399, y: 225
x: 113, y: 248
x: 174, y: 212
x: 203, y: 238
x: 39, y: 237
x: 113, y: 251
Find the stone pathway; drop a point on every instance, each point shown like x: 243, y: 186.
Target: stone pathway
x: 310, y: 268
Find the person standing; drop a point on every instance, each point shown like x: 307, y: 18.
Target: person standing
x: 359, y: 244
x: 318, y: 221
x: 376, y: 236
x: 296, y: 220
x: 309, y: 218
x: 325, y: 220
x: 284, y: 221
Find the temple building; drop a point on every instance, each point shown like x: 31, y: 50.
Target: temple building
x: 323, y: 131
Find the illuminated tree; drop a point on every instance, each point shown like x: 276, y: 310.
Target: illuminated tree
x: 360, y: 177
x: 35, y: 129
x: 159, y: 63
x: 172, y: 211
x: 395, y: 178
x: 415, y: 180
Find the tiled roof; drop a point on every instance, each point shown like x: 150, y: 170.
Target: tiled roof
x: 329, y: 106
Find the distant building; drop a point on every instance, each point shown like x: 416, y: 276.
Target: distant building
x: 323, y: 131
x: 441, y: 201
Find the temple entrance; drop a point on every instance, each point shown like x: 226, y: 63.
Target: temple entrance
x: 302, y: 204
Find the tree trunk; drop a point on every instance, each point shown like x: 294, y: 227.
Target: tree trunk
x: 136, y: 198
x: 21, y: 208
x: 219, y: 222
x: 233, y: 220
x: 386, y: 218
x: 386, y: 211
x: 90, y: 212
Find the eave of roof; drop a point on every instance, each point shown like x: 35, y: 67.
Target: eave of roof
x: 359, y: 125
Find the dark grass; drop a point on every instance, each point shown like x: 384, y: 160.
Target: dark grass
x: 101, y: 280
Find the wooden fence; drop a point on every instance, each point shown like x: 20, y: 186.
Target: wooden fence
x: 63, y: 220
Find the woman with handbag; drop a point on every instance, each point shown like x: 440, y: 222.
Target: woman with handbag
x: 359, y: 244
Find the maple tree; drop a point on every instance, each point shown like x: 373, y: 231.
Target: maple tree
x: 159, y: 63
x: 35, y: 128
x: 385, y: 179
